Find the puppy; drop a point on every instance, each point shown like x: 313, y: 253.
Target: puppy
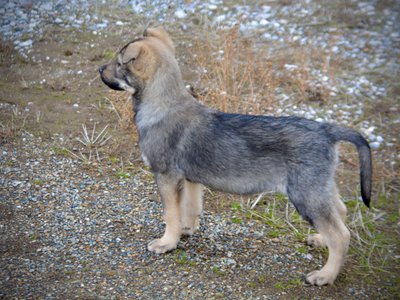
x: 188, y: 145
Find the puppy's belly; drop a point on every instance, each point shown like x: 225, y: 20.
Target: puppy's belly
x: 244, y: 185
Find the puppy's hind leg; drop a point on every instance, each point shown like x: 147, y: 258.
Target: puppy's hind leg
x: 169, y: 188
x: 191, y: 206
x: 337, y: 238
x: 316, y: 240
x: 323, y: 214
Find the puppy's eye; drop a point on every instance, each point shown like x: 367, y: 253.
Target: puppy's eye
x: 118, y: 65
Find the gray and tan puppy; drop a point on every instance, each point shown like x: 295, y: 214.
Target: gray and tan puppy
x: 188, y: 145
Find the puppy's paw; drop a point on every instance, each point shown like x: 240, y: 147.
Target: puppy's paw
x: 320, y: 278
x: 188, y: 231
x: 316, y: 240
x: 191, y: 229
x: 162, y: 245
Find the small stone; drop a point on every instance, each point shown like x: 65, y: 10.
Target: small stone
x: 25, y: 44
x: 374, y: 145
x: 180, y: 14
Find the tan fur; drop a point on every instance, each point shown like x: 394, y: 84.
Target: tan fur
x: 162, y: 35
x: 142, y: 60
x: 172, y: 216
x: 191, y: 207
x: 337, y: 238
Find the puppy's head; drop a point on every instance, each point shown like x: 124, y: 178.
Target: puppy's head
x: 137, y: 62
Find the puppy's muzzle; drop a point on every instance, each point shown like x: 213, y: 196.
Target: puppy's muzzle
x: 111, y: 83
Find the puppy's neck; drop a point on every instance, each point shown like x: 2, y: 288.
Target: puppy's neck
x: 163, y: 95
x: 166, y: 88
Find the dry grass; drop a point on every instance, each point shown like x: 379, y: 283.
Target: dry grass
x: 122, y: 104
x: 232, y: 76
x: 235, y: 75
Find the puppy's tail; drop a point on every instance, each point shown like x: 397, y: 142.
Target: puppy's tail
x: 339, y: 133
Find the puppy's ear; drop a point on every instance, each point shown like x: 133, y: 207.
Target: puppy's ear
x: 132, y: 52
x: 161, y: 34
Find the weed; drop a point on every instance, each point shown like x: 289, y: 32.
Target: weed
x: 274, y: 234
x: 60, y: 151
x: 235, y: 206
x: 302, y: 249
x: 113, y: 159
x: 92, y: 142
x: 39, y: 116
x: 236, y: 220
x: 290, y: 284
x: 38, y: 182
x: 181, y: 257
x: 109, y: 54
x: 121, y: 174
x: 217, y: 271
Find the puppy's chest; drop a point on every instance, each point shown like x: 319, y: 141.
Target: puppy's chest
x: 157, y: 149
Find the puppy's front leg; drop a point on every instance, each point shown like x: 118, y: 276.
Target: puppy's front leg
x: 169, y: 187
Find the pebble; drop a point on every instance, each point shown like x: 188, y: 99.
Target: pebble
x: 180, y: 14
x: 375, y: 145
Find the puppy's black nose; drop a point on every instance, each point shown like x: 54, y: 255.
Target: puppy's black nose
x: 101, y: 69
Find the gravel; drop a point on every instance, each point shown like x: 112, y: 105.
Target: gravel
x: 83, y: 233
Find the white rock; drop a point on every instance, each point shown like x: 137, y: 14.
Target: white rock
x: 379, y: 139
x: 369, y: 130
x: 119, y: 23
x: 76, y: 105
x: 101, y: 25
x: 374, y: 145
x: 266, y: 8
x: 180, y: 14
x: 27, y: 43
x: 220, y: 18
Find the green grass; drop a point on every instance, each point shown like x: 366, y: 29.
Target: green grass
x: 60, y: 151
x: 217, y: 271
x: 182, y: 258
x: 236, y: 220
x: 290, y: 284
x: 121, y: 174
x: 38, y: 182
x: 109, y: 54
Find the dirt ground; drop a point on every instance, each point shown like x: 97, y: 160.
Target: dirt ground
x: 46, y: 98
